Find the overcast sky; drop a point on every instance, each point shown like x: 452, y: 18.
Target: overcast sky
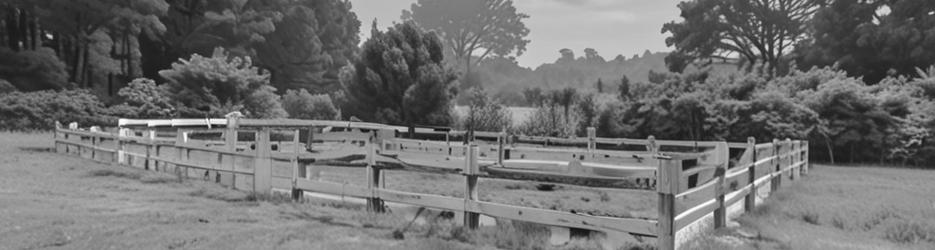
x: 611, y: 27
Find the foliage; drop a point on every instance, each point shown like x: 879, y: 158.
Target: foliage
x: 863, y: 40
x: 6, y: 87
x: 216, y: 85
x: 400, y: 79
x: 303, y: 105
x: 33, y: 70
x: 143, y: 99
x: 760, y: 32
x: 41, y: 109
x: 485, y: 114
x: 487, y: 27
x: 549, y: 120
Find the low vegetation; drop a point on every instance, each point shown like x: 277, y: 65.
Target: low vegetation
x: 840, y: 208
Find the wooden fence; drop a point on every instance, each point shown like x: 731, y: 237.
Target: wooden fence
x: 710, y: 180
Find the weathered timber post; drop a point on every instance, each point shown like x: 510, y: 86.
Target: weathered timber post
x: 749, y: 202
x: 120, y: 147
x: 592, y: 139
x: 651, y: 145
x: 776, y: 181
x: 374, y: 203
x: 805, y: 157
x: 501, y: 139
x: 58, y: 126
x: 297, y: 169
x: 150, y: 148
x: 262, y: 165
x: 667, y: 185
x: 791, y: 158
x: 181, y: 137
x: 720, y: 214
x: 471, y: 219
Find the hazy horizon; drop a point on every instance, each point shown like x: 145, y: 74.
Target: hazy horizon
x: 624, y: 27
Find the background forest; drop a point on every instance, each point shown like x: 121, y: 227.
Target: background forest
x: 852, y: 76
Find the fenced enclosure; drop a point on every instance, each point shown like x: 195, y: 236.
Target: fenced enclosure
x: 697, y: 185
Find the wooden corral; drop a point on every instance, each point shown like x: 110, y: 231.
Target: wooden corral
x: 705, y: 178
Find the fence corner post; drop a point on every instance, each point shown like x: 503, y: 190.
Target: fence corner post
x: 471, y: 219
x: 667, y: 184
x: 749, y: 202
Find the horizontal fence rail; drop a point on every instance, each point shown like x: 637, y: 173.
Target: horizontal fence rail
x: 707, y: 181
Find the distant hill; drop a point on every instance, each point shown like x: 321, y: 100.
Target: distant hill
x: 506, y: 79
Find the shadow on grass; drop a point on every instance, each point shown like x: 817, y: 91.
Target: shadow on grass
x: 36, y: 149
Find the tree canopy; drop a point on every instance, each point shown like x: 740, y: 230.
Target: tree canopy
x: 473, y: 30
x: 758, y: 32
x: 400, y: 79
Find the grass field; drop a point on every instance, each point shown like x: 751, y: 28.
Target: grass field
x: 64, y: 202
x: 840, y: 208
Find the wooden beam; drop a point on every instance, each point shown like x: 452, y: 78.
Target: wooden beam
x: 667, y: 185
x: 749, y: 202
x: 471, y: 169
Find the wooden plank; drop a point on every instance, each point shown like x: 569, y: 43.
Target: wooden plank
x: 342, y: 189
x: 565, y: 219
x: 424, y: 200
x: 705, y: 189
x: 692, y: 214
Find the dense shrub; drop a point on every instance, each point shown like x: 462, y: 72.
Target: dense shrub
x: 39, y: 110
x: 32, y: 70
x: 550, y: 120
x: 6, y: 87
x: 213, y: 86
x: 301, y: 104
x: 143, y: 99
x: 485, y: 114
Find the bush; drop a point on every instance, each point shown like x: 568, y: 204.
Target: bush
x: 39, y: 110
x: 213, y: 86
x: 6, y: 87
x: 485, y: 114
x: 550, y: 120
x: 143, y: 99
x: 303, y: 105
x: 33, y: 70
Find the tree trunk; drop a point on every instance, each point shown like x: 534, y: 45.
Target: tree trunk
x: 830, y: 149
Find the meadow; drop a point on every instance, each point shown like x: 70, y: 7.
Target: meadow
x: 49, y: 200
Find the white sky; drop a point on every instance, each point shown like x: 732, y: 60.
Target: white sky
x: 611, y: 27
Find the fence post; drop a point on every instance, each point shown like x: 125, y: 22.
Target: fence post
x: 805, y: 166
x: 471, y: 219
x: 118, y: 140
x: 592, y: 139
x: 501, y: 139
x: 667, y: 185
x: 776, y: 180
x: 181, y: 137
x: 749, y: 202
x: 58, y: 126
x: 297, y: 169
x: 651, y: 145
x: 374, y: 203
x: 262, y: 165
x: 150, y: 147
x: 720, y: 214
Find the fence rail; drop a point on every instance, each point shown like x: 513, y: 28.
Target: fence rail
x: 288, y: 155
